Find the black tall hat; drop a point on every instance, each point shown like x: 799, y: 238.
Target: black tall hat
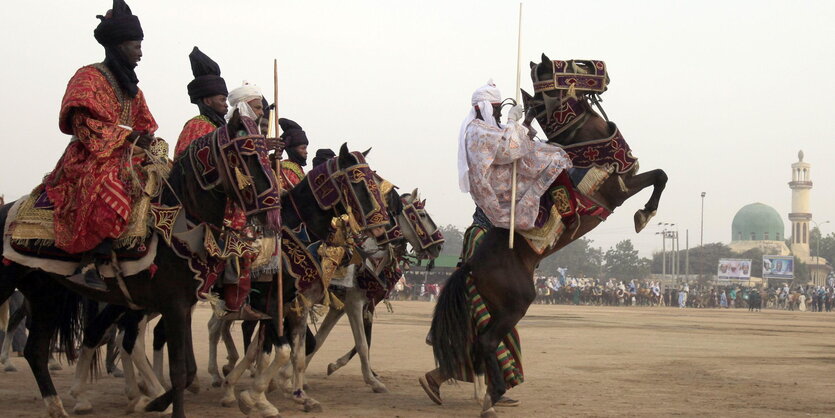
x: 207, y: 80
x: 293, y: 133
x: 118, y: 25
x: 323, y: 155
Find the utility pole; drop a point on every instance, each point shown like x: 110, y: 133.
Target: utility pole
x: 687, y: 253
x: 702, y: 228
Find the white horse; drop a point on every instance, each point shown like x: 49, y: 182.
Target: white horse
x: 359, y: 304
x: 141, y: 383
x: 417, y: 220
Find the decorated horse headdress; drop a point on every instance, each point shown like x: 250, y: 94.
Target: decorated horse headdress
x: 241, y: 158
x: 349, y: 181
x: 562, y: 90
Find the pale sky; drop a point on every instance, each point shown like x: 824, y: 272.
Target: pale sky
x: 720, y: 94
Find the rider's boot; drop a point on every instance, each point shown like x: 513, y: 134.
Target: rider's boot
x: 88, y: 273
x: 246, y: 313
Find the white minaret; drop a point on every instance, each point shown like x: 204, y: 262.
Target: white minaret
x: 801, y: 213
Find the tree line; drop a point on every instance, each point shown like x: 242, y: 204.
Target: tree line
x: 622, y: 261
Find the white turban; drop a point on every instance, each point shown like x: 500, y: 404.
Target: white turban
x: 483, y: 98
x: 239, y: 98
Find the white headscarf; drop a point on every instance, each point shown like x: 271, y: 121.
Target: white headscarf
x: 239, y: 99
x: 483, y: 98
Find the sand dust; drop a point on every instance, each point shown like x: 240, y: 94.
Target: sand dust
x: 579, y: 361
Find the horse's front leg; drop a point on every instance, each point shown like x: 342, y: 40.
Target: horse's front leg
x: 255, y: 397
x: 330, y: 320
x: 231, y: 379
x: 298, y: 335
x: 632, y: 184
x: 177, y: 320
x: 354, y: 306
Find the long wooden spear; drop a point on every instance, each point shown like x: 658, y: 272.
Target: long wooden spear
x: 518, y: 93
x: 275, y: 127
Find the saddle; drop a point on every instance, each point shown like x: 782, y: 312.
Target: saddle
x: 559, y: 210
x: 31, y: 231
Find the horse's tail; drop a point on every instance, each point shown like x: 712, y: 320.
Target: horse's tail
x: 69, y: 323
x: 452, y: 328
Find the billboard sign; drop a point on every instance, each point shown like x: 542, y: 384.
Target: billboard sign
x: 778, y: 267
x: 734, y: 269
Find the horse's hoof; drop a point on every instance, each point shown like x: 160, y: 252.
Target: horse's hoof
x: 245, y: 402
x: 82, y: 408
x: 311, y: 405
x: 116, y: 372
x: 490, y: 413
x: 228, y: 401
x: 55, y: 366
x: 379, y: 388
x: 332, y: 368
x: 642, y: 218
x: 194, y: 388
x: 138, y: 404
x: 10, y: 368
x: 216, y: 383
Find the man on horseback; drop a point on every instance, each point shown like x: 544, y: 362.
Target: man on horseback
x: 105, y: 112
x: 295, y: 143
x: 487, y: 151
x: 208, y: 92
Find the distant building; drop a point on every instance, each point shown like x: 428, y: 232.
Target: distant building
x: 758, y: 226
x: 801, y: 216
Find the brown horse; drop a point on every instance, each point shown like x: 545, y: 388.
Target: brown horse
x: 503, y: 276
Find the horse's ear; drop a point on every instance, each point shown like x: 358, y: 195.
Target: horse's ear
x: 545, y: 58
x: 415, y: 195
x: 533, y: 65
x: 345, y: 158
x: 365, y: 153
x: 525, y: 96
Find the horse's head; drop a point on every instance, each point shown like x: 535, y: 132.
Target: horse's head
x: 229, y: 164
x: 562, y: 90
x: 348, y: 182
x: 418, y: 228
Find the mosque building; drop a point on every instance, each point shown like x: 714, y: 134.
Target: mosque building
x: 760, y: 226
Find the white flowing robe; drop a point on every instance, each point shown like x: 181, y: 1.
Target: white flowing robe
x: 491, y: 151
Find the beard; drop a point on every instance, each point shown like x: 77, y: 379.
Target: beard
x: 295, y: 157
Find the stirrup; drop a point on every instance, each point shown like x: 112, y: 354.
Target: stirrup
x: 89, y: 277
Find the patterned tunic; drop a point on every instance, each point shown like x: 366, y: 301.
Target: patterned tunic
x: 89, y: 184
x: 491, y: 152
x: 195, y: 128
x: 291, y: 174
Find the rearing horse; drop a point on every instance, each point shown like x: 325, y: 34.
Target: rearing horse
x: 503, y: 277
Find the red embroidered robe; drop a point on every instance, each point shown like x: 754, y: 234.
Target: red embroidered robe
x: 291, y: 174
x: 88, y: 185
x: 193, y: 129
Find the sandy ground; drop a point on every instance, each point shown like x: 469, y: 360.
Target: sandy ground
x: 579, y: 361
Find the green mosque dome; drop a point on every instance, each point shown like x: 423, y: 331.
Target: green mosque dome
x: 757, y: 222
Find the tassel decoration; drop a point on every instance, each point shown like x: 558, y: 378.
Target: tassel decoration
x: 243, y: 181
